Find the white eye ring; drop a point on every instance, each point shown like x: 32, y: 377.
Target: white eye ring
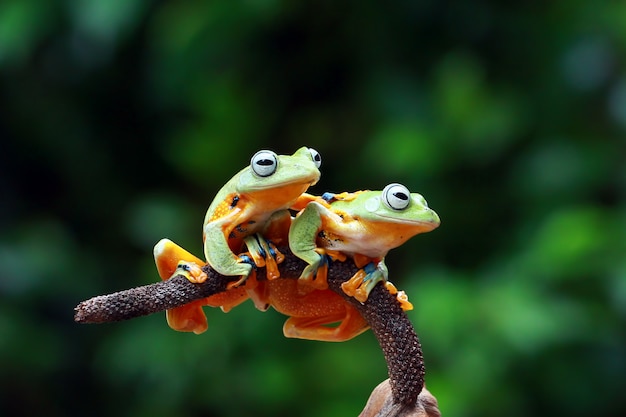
x: 264, y: 163
x: 396, y: 196
x: 317, y: 158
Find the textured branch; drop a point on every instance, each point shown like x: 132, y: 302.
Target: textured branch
x: 391, y: 326
x: 165, y: 295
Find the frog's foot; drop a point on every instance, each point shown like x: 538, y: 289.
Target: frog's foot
x: 264, y: 254
x: 168, y: 254
x: 244, y: 258
x: 362, y: 283
x: 188, y: 318
x: 315, y: 275
x: 401, y: 296
x: 345, y: 196
x: 192, y: 271
x: 271, y: 263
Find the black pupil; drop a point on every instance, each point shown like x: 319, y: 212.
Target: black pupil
x: 401, y: 195
x: 317, y: 157
x: 265, y: 162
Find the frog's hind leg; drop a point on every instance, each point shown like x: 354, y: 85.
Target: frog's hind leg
x: 168, y: 254
x: 351, y: 324
x: 172, y: 260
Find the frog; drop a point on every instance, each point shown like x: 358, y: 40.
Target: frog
x: 248, y: 207
x: 363, y: 225
x: 310, y: 310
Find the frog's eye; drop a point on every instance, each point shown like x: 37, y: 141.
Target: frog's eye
x: 317, y: 158
x: 264, y: 163
x: 396, y: 196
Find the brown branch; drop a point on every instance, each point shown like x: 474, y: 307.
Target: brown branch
x: 389, y: 323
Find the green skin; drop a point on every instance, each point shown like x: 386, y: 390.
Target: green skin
x: 245, y: 205
x: 361, y: 225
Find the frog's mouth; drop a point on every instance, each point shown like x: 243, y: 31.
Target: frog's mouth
x: 287, y: 185
x: 427, y: 223
x: 279, y: 194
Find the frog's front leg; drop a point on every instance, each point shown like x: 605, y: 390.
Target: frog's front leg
x: 362, y: 283
x: 351, y: 324
x: 302, y: 242
x: 219, y: 255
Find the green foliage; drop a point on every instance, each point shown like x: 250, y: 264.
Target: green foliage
x: 120, y: 120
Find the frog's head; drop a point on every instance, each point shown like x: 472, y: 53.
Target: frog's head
x: 396, y: 205
x: 282, y: 174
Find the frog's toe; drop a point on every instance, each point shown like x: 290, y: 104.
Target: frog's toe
x: 401, y: 296
x: 264, y: 254
x: 192, y: 271
x: 373, y: 276
x: 354, y: 283
x: 277, y: 255
x: 271, y: 262
x: 256, y: 251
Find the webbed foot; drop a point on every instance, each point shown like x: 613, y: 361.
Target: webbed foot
x: 345, y: 196
x: 192, y: 271
x: 401, y: 296
x: 264, y: 254
x: 315, y: 275
x: 244, y: 258
x: 362, y: 283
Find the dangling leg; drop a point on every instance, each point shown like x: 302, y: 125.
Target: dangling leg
x: 351, y: 324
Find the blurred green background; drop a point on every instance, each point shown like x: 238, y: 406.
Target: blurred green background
x: 121, y: 119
